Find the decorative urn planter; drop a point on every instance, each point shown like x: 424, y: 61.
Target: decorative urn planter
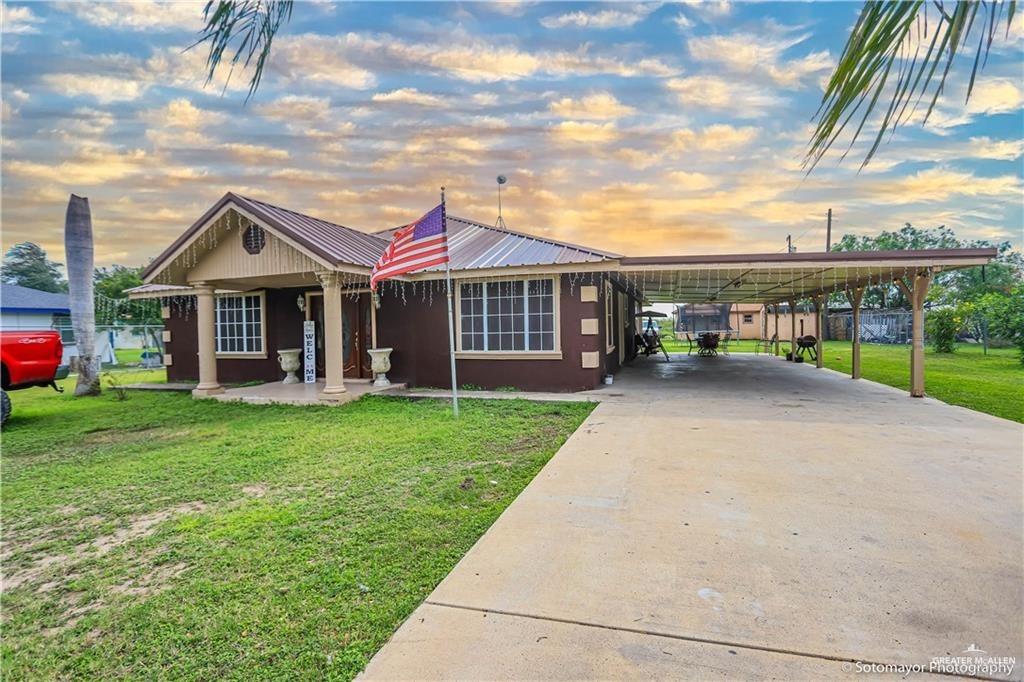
x: 289, y: 359
x: 380, y: 363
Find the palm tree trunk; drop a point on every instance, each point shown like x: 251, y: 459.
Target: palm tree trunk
x: 79, y: 253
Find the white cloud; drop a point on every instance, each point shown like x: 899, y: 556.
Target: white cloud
x: 940, y: 184
x: 104, y: 89
x: 742, y: 100
x: 140, y: 15
x: 253, y: 154
x: 618, y: 17
x: 296, y: 108
x: 410, y: 96
x: 92, y: 165
x: 181, y: 113
x: 745, y: 53
x: 18, y: 20
x: 719, y: 137
x: 596, y: 105
x: 585, y: 132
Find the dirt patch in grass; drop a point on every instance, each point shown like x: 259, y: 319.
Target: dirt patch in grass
x: 137, y: 528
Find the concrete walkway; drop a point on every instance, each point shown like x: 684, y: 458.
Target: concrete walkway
x: 740, y: 517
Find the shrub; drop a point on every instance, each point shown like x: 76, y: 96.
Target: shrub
x: 1006, y: 316
x: 942, y: 325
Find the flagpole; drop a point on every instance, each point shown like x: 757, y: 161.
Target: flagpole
x: 451, y: 316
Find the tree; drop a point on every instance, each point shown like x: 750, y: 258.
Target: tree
x: 112, y: 282
x: 246, y: 26
x: 27, y: 265
x: 79, y: 249
x: 901, y: 51
x: 1007, y: 316
x: 950, y: 288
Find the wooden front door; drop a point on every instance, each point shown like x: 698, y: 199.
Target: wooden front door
x: 355, y: 334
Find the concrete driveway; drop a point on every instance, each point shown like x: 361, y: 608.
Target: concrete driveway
x: 740, y: 517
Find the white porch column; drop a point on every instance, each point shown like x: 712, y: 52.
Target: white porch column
x: 856, y: 295
x: 205, y: 314
x: 819, y: 324
x: 334, y: 387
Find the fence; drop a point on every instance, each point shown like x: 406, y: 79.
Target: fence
x: 882, y: 326
x: 119, y: 344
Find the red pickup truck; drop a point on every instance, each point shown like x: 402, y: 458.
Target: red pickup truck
x: 29, y: 358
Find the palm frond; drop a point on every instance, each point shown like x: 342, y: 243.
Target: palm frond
x: 895, y: 52
x: 246, y: 26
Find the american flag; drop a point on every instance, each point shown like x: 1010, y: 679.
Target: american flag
x: 416, y: 246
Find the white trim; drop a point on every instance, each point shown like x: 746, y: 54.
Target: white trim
x: 247, y: 355
x: 609, y: 318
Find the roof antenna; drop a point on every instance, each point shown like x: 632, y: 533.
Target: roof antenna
x: 500, y: 222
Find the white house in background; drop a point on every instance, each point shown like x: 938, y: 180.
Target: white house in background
x: 22, y: 308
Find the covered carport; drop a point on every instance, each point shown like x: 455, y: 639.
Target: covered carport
x: 773, y: 279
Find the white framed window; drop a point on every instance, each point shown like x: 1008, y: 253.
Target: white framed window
x: 239, y: 324
x: 508, y: 316
x: 609, y: 318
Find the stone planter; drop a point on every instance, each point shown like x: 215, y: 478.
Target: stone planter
x: 289, y: 359
x: 380, y: 363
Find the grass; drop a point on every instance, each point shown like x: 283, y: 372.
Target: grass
x: 992, y: 383
x: 162, y: 537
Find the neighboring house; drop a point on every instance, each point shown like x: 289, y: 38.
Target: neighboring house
x: 25, y: 308
x: 744, y: 320
x: 530, y: 312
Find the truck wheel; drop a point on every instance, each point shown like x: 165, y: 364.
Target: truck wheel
x: 5, y: 407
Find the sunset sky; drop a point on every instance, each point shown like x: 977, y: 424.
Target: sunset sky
x: 637, y: 128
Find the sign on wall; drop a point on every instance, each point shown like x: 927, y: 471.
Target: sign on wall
x: 309, y: 351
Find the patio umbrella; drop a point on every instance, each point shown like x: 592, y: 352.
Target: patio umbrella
x: 652, y: 313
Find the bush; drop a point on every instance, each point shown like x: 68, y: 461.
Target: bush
x: 1006, y: 316
x: 942, y: 325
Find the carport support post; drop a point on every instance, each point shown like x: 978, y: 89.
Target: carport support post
x: 776, y: 309
x: 916, y: 293
x: 792, y: 330
x: 819, y: 324
x: 855, y: 295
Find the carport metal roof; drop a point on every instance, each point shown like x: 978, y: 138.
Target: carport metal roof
x: 772, y: 278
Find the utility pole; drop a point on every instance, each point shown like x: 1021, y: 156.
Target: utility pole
x: 789, y: 244
x: 828, y: 232
x: 825, y: 330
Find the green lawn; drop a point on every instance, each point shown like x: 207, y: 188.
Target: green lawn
x: 992, y: 383
x: 162, y: 537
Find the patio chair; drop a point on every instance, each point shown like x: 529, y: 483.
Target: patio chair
x: 725, y: 342
x: 765, y: 345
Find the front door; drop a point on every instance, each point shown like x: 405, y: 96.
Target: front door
x: 355, y: 334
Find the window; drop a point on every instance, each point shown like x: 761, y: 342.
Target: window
x: 748, y: 319
x: 609, y: 318
x: 254, y: 239
x: 239, y: 323
x: 514, y: 315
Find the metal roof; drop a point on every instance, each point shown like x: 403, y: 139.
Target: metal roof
x: 333, y: 243
x: 475, y: 246
x: 14, y: 297
x: 339, y: 243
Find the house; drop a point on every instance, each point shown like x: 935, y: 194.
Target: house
x: 743, y: 320
x: 530, y: 312
x: 25, y: 308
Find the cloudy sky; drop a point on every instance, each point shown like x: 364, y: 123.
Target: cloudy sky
x: 638, y: 128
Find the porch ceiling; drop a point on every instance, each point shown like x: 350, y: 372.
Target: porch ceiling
x: 771, y: 278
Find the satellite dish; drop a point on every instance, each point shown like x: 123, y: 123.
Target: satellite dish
x: 502, y: 179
